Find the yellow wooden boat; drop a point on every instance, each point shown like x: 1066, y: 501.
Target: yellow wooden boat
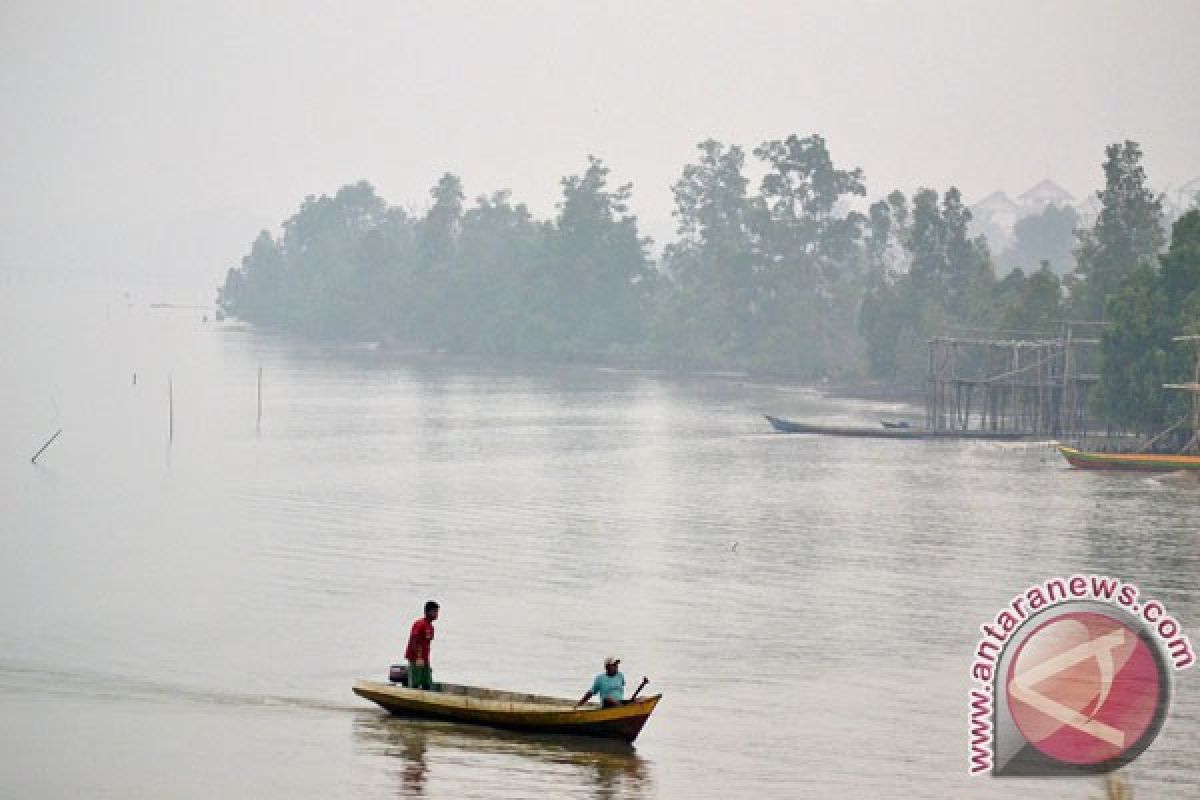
x: 1144, y: 462
x: 511, y: 710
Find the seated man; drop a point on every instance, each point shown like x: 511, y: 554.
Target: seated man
x: 609, y: 685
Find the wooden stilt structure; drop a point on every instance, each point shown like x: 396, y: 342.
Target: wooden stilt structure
x: 1017, y: 382
x: 1193, y: 443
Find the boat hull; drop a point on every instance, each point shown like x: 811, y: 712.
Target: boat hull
x: 1137, y: 462
x: 788, y: 426
x: 510, y: 710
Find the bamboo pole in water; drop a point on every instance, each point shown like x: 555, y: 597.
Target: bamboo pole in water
x: 258, y: 419
x: 170, y: 411
x: 47, y: 444
x: 1194, y: 388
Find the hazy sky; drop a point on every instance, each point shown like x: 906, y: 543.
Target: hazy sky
x: 160, y: 136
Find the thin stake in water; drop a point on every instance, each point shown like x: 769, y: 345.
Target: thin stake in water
x: 47, y: 444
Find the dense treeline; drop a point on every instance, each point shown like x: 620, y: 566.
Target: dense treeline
x: 484, y: 279
x: 1159, y: 299
x: 786, y: 278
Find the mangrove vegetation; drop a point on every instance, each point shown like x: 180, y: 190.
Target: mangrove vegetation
x: 796, y: 274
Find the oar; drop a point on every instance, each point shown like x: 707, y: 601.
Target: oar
x: 641, y: 686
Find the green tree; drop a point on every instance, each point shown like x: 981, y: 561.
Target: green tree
x: 323, y: 247
x: 596, y: 289
x: 1031, y: 304
x: 500, y: 252
x: 887, y: 232
x: 385, y: 280
x: 946, y: 263
x: 254, y: 292
x: 810, y: 260
x: 1135, y: 354
x: 442, y: 224
x: 706, y: 305
x: 438, y: 284
x: 1181, y: 264
x: 949, y: 283
x: 1127, y: 233
x: 1048, y: 235
x: 310, y: 278
x: 1137, y: 351
x: 1180, y: 280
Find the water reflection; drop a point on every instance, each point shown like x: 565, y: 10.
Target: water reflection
x: 444, y: 754
x: 415, y: 767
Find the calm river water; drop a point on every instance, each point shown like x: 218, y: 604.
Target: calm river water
x: 184, y: 618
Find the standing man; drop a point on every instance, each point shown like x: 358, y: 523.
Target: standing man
x: 420, y: 671
x: 609, y: 685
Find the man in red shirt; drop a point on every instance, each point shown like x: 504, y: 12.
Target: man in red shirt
x: 420, y: 672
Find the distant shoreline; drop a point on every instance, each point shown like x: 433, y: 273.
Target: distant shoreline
x: 866, y: 390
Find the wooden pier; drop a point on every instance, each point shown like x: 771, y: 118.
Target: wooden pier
x: 1014, y: 382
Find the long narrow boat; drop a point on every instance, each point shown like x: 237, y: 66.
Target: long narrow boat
x: 1144, y: 462
x: 788, y: 426
x: 511, y: 710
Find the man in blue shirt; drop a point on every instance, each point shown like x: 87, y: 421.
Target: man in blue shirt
x: 609, y: 685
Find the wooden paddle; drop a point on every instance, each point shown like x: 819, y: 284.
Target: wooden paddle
x: 641, y: 686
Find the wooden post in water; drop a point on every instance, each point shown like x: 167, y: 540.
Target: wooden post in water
x: 47, y: 444
x: 1067, y: 412
x: 931, y: 387
x: 258, y: 419
x: 170, y: 410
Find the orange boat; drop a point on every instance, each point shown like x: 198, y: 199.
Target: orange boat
x: 1144, y: 462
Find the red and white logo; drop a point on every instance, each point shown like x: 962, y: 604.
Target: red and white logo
x: 1086, y: 689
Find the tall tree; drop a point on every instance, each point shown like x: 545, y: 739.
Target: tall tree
x: 320, y: 245
x: 256, y: 290
x: 385, y: 282
x: 437, y: 284
x: 1127, y: 233
x: 1048, y: 235
x: 887, y: 232
x: 499, y: 254
x: 810, y: 252
x: 949, y: 283
x: 1137, y: 351
x: 1032, y: 304
x: 705, y: 310
x: 1181, y: 264
x: 599, y: 277
x: 1134, y: 350
x: 1180, y: 280
x: 326, y: 273
x: 946, y: 263
x: 443, y: 222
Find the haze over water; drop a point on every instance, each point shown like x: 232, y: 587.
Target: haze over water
x: 185, y: 618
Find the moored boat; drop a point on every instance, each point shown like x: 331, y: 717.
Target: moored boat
x: 511, y: 710
x: 1143, y: 462
x: 888, y: 432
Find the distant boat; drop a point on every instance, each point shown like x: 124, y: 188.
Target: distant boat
x: 1143, y: 462
x: 889, y: 432
x: 511, y: 710
x: 887, y: 423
